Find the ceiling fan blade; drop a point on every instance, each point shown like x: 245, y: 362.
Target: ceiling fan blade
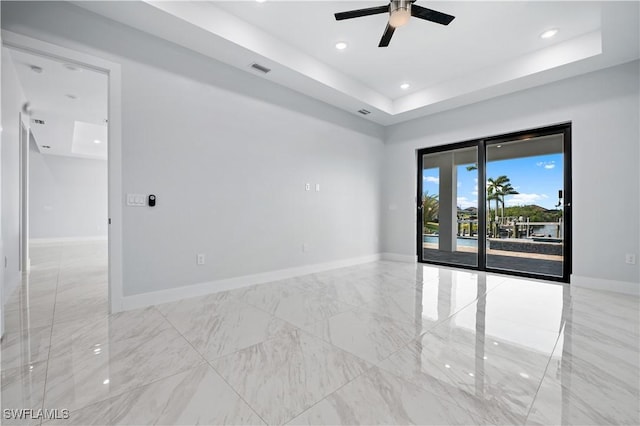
x: 431, y: 15
x: 386, y: 37
x: 362, y: 12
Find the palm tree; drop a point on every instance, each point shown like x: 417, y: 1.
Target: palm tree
x: 497, y: 189
x: 430, y: 206
x: 494, y: 189
x: 507, y: 189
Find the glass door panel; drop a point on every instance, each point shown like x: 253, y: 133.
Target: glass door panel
x: 448, y: 207
x: 525, y: 206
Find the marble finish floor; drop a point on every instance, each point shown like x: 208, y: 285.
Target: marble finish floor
x: 378, y: 343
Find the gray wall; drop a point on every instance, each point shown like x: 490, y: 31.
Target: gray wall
x: 12, y: 100
x: 67, y: 197
x: 604, y: 109
x: 228, y: 155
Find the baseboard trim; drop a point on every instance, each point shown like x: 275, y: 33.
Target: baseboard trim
x: 395, y: 257
x: 171, y: 295
x: 67, y: 239
x: 624, y: 287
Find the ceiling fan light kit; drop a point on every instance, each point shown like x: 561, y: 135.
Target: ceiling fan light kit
x: 400, y: 11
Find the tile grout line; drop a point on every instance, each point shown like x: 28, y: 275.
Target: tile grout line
x: 277, y: 335
x: 377, y: 365
x: 437, y: 324
x: 544, y: 375
x: 46, y: 374
x: 116, y: 395
x: 366, y: 370
x: 211, y: 366
x: 236, y: 392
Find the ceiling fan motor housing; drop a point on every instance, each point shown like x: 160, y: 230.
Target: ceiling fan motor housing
x: 400, y: 12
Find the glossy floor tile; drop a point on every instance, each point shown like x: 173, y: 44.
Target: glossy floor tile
x: 377, y: 343
x: 196, y: 396
x: 380, y: 398
x: 283, y: 376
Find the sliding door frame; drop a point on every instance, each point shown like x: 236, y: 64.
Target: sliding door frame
x: 481, y: 146
x: 481, y: 221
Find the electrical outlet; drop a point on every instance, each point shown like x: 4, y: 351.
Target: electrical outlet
x: 630, y: 258
x: 317, y: 187
x: 307, y: 187
x: 200, y: 259
x: 305, y: 247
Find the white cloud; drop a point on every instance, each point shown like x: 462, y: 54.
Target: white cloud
x: 432, y: 179
x: 546, y: 164
x: 464, y: 202
x: 524, y: 199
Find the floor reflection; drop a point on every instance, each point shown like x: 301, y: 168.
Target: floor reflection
x: 381, y: 342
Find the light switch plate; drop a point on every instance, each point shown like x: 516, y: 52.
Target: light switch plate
x: 136, y: 200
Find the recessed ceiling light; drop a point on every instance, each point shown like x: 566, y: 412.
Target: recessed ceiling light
x: 499, y: 146
x: 261, y: 1
x: 341, y: 45
x: 96, y: 141
x: 549, y: 33
x: 70, y: 96
x: 405, y: 86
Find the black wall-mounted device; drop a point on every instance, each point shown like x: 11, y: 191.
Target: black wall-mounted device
x: 152, y: 200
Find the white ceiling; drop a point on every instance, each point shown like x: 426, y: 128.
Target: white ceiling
x: 72, y: 126
x: 421, y: 53
x: 491, y: 48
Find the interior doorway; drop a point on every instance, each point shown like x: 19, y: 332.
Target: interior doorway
x: 499, y: 204
x: 63, y: 189
x: 112, y: 71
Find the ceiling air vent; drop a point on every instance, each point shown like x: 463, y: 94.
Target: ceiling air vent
x: 260, y: 68
x: 36, y: 121
x: 364, y: 112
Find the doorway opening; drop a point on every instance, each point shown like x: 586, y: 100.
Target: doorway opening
x: 63, y: 188
x: 500, y: 204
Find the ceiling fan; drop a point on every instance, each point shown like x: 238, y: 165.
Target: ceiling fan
x: 400, y: 11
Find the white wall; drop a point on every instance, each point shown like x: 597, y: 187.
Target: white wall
x: 67, y: 196
x: 227, y: 155
x: 12, y: 100
x: 2, y: 299
x: 604, y: 110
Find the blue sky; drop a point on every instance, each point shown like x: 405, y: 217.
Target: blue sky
x: 537, y: 179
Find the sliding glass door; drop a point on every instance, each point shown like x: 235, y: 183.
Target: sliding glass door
x: 447, y: 211
x: 498, y: 204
